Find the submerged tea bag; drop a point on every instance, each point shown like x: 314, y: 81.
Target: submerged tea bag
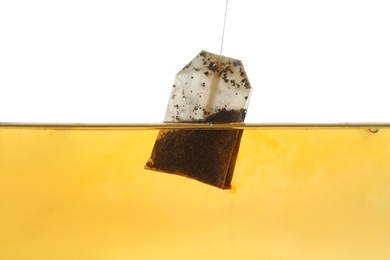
x: 209, y: 89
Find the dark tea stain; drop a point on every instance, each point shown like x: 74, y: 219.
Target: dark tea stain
x: 208, y: 156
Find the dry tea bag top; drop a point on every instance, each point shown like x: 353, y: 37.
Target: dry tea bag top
x: 209, y: 89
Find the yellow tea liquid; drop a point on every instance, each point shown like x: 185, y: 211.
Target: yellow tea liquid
x: 83, y: 193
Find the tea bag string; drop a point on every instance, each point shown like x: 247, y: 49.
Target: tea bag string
x: 223, y: 31
x: 215, y: 79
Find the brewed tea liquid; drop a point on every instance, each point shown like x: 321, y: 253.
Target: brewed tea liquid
x: 297, y: 194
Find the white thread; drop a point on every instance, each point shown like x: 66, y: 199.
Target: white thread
x: 223, y: 30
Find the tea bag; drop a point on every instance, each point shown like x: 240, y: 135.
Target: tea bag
x: 209, y: 89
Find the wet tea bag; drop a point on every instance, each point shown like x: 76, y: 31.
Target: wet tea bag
x: 209, y: 89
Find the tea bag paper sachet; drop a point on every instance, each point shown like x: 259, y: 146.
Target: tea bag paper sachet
x: 209, y: 89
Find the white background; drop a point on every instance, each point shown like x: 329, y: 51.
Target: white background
x: 115, y: 61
